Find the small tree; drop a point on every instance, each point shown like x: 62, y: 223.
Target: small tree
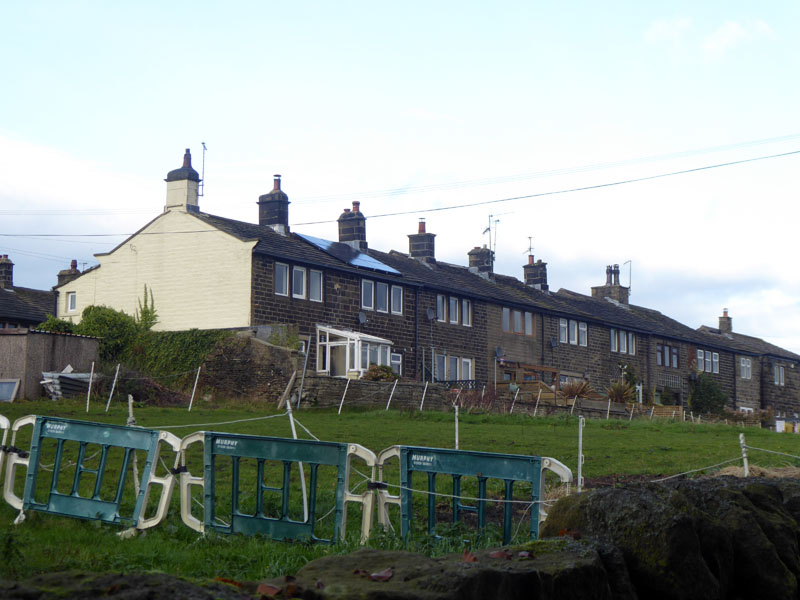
x: 56, y: 325
x: 621, y: 392
x: 146, y: 316
x: 706, y: 396
x: 117, y: 330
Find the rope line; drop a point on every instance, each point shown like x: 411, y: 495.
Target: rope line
x: 219, y: 423
x: 771, y: 451
x: 469, y: 498
x: 304, y: 428
x: 738, y: 458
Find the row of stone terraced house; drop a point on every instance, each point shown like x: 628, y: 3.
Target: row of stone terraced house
x: 354, y: 306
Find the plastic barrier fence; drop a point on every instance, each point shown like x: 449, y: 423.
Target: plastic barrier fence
x: 510, y: 468
x: 254, y: 459
x: 4, y: 426
x: 94, y: 492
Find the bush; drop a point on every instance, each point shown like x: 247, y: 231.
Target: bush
x: 56, y: 325
x: 706, y: 396
x: 379, y: 373
x: 621, y: 392
x: 117, y: 330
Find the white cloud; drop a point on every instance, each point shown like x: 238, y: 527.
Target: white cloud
x: 668, y: 30
x: 732, y: 34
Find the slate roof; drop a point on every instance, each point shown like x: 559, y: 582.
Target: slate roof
x: 26, y: 305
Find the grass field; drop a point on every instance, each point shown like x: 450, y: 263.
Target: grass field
x: 612, y: 448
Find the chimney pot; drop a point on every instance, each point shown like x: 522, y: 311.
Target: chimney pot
x: 356, y: 206
x: 724, y: 312
x: 73, y: 264
x: 277, y: 186
x: 421, y: 226
x: 187, y: 159
x: 530, y: 259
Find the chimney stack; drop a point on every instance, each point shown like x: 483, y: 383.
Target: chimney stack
x: 725, y: 322
x: 273, y: 208
x: 481, y: 261
x: 68, y: 275
x: 421, y: 244
x: 6, y: 272
x: 353, y: 227
x: 182, y: 187
x: 535, y: 274
x: 612, y: 289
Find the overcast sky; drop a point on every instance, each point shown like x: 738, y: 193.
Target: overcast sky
x: 423, y: 105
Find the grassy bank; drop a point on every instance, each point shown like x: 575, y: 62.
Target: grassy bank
x: 652, y: 448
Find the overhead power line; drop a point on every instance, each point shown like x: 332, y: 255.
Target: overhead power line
x: 450, y: 207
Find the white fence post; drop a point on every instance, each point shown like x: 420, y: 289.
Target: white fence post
x: 513, y: 401
x: 391, y: 394
x: 744, y: 455
x: 456, y: 407
x: 300, y: 465
x: 535, y: 408
x: 347, y: 385
x: 581, y: 424
x: 425, y: 391
x: 113, y: 386
x: 89, y: 391
x: 191, y: 400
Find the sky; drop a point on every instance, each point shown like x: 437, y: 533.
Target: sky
x: 417, y: 107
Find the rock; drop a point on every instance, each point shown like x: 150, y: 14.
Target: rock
x: 710, y: 538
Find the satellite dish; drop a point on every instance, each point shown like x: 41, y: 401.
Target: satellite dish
x: 498, y: 352
x: 431, y: 314
x: 362, y: 318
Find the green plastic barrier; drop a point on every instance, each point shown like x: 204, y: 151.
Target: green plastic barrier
x: 221, y: 450
x: 95, y: 493
x: 509, y: 468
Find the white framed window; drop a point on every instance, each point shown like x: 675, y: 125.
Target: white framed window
x: 528, y: 323
x: 613, y: 341
x: 715, y: 362
x: 315, y: 285
x: 397, y: 300
x: 745, y: 367
x: 583, y: 334
x: 562, y: 331
x: 367, y: 294
x: 281, y: 279
x: 298, y: 282
x: 700, y: 360
x: 382, y: 297
x: 72, y: 301
x: 631, y: 343
x: 623, y: 343
x: 466, y: 368
x: 517, y: 321
x: 708, y: 362
x: 674, y: 357
x: 453, y: 309
x: 573, y: 332
x: 506, y: 319
x: 466, y: 312
x: 396, y: 362
x: 778, y: 375
x: 441, y: 307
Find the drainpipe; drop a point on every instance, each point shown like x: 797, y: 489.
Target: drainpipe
x: 416, y: 335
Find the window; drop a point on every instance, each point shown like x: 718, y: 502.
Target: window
x: 573, y: 332
x: 708, y: 361
x: 466, y: 368
x: 778, y: 375
x: 298, y: 282
x: 396, y: 362
x: 517, y: 321
x: 453, y: 309
x: 667, y: 356
x: 745, y: 368
x: 700, y: 360
x: 382, y: 297
x: 441, y: 307
x: 367, y: 294
x: 614, y: 339
x: 72, y: 301
x: 715, y: 362
x: 397, y: 300
x: 439, y: 368
x: 315, y: 286
x: 506, y: 319
x: 281, y: 279
x: 466, y: 312
x: 623, y: 343
x: 583, y: 334
x: 562, y: 331
x: 528, y: 323
x: 631, y: 343
x: 452, y: 367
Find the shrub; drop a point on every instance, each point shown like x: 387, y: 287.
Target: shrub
x: 577, y: 389
x: 117, y: 330
x: 706, y: 396
x: 621, y: 392
x: 56, y: 325
x: 379, y: 373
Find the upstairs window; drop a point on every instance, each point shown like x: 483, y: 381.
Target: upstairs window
x: 573, y: 332
x: 667, y: 356
x: 441, y: 308
x: 382, y: 297
x: 367, y: 294
x: 745, y: 368
x: 506, y: 319
x: 517, y: 321
x: 708, y: 361
x: 528, y: 323
x: 778, y: 375
x: 281, y: 279
x: 583, y: 334
x: 397, y: 300
x: 72, y: 301
x: 562, y: 331
x: 466, y: 312
x: 623, y: 342
x: 315, y: 285
x: 298, y: 282
x: 453, y: 309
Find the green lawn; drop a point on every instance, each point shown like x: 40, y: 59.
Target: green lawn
x: 47, y: 543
